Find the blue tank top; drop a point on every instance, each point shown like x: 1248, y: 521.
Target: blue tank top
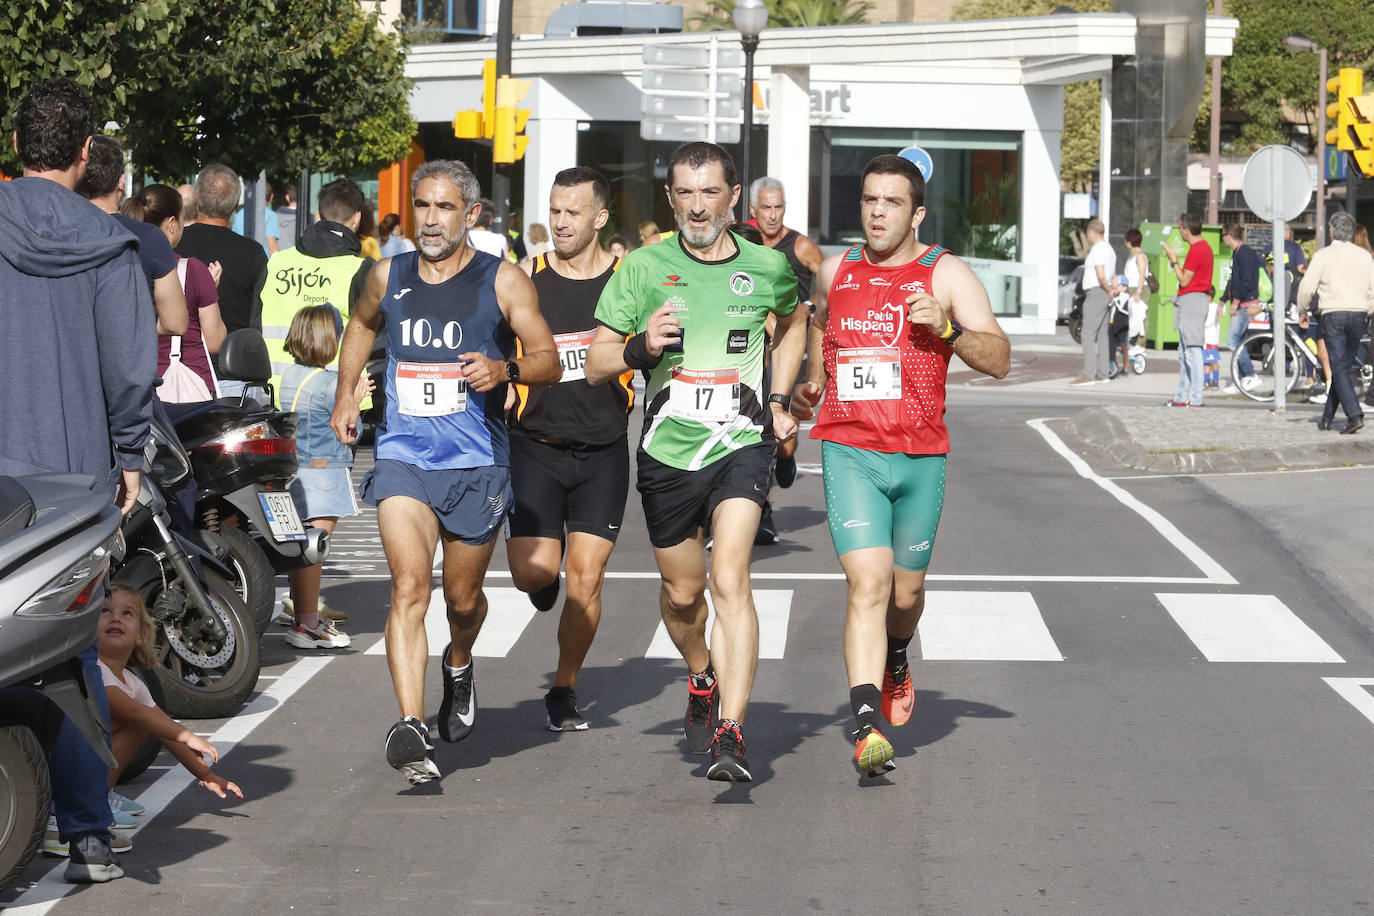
x: 432, y: 419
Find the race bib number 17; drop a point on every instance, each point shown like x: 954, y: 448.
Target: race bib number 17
x: 431, y: 389
x: 869, y: 374
x: 704, y: 395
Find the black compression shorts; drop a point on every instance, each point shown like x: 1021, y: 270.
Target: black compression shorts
x: 580, y: 487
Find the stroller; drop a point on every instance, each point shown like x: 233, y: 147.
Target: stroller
x: 1133, y: 312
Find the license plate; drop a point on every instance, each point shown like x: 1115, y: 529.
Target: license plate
x: 282, y: 519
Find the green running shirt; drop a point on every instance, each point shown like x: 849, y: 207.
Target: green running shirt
x: 705, y: 402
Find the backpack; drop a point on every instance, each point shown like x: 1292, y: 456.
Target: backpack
x: 1266, y: 287
x: 1151, y: 281
x: 180, y: 383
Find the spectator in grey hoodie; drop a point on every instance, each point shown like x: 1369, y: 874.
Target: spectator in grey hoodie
x: 78, y: 358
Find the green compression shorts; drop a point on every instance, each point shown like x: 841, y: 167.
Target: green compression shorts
x: 876, y: 499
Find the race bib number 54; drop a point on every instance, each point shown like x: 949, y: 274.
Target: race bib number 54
x: 869, y: 374
x: 431, y: 389
x: 704, y: 395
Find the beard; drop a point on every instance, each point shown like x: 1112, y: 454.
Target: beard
x: 707, y: 236
x: 436, y: 246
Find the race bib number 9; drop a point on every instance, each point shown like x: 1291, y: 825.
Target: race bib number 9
x: 704, y: 395
x: 431, y: 389
x: 572, y: 353
x: 869, y: 374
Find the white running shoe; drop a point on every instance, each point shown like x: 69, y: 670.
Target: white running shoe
x: 1249, y: 382
x: 323, y: 636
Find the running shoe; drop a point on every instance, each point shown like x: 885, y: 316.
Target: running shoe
x: 768, y: 531
x: 322, y: 636
x: 121, y: 820
x: 727, y: 755
x: 92, y: 861
x: 287, y: 615
x: 458, y: 711
x: 408, y: 750
x: 786, y: 471
x: 546, y: 597
x: 127, y: 805
x: 561, y: 705
x: 898, y: 696
x: 53, y: 845
x: 872, y: 752
x: 703, y: 712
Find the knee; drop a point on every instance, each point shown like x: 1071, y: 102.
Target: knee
x: 410, y: 595
x: 681, y: 600
x: 869, y: 589
x: 584, y: 586
x: 531, y: 575
x: 729, y: 587
x: 463, y: 604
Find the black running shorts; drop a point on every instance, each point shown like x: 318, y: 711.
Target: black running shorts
x: 677, y: 502
x: 582, y: 487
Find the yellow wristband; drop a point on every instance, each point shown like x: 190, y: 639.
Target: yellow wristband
x: 949, y: 330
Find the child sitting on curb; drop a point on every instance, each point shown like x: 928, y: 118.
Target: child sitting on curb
x: 126, y: 638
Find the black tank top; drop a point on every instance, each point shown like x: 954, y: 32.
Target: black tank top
x: 788, y: 247
x: 572, y: 410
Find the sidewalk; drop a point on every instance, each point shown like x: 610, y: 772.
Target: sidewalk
x: 1230, y: 433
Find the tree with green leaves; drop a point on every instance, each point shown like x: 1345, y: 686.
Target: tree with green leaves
x: 719, y: 14
x: 275, y: 85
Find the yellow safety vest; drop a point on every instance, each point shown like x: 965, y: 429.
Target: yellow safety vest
x: 296, y: 281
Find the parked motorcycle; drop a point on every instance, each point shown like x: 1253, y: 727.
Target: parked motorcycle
x: 57, y: 535
x: 206, y: 647
x: 243, y: 455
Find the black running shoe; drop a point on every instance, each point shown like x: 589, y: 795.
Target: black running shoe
x: 458, y: 711
x: 561, y: 705
x: 408, y: 750
x: 546, y: 597
x: 727, y: 755
x: 768, y: 532
x: 786, y: 471
x: 703, y: 710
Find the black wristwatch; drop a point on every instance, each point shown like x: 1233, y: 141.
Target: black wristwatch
x: 952, y: 332
x: 784, y: 399
x: 512, y: 370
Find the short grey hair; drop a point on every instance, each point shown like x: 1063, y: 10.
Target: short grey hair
x: 1342, y: 226
x: 218, y: 189
x: 456, y: 172
x: 1096, y: 225
x: 766, y: 183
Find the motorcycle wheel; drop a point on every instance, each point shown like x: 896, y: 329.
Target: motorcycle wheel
x: 253, y: 575
x: 187, y: 690
x: 25, y: 794
x: 146, y: 754
x: 1076, y: 328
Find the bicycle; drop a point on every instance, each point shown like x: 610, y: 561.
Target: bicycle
x: 1299, y: 361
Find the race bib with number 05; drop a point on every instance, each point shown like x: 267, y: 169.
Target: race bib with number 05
x: 572, y: 353
x: 431, y: 389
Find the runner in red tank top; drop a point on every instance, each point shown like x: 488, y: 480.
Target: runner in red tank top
x: 893, y: 312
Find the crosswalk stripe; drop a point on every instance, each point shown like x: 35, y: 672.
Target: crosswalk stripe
x: 985, y: 626
x: 508, y: 613
x: 1246, y: 628
x: 774, y: 608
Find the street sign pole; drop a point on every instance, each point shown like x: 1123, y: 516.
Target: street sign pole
x: 1280, y: 322
x: 500, y: 171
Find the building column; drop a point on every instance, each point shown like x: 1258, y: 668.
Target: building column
x: 1040, y: 209
x: 789, y: 140
x: 552, y: 144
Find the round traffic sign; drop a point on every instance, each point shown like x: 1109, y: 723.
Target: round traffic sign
x: 1277, y: 183
x: 919, y: 158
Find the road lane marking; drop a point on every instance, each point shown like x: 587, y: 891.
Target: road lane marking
x: 985, y: 626
x: 508, y: 613
x: 774, y: 608
x: 1213, y: 570
x: 1353, y: 689
x: 51, y: 888
x: 839, y: 577
x: 1246, y: 628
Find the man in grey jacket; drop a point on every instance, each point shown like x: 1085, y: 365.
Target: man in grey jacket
x: 78, y: 358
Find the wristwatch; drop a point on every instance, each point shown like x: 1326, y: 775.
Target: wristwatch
x: 784, y: 399
x: 952, y: 331
x: 512, y: 370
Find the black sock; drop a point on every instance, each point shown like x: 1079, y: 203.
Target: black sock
x: 705, y: 679
x: 896, y: 650
x: 865, y: 700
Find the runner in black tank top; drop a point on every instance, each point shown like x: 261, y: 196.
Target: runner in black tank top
x: 570, y: 459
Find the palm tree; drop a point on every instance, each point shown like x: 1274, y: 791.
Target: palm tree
x: 718, y: 15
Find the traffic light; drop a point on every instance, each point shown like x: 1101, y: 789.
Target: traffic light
x: 1348, y: 85
x: 472, y: 124
x: 508, y: 142
x: 1362, y: 126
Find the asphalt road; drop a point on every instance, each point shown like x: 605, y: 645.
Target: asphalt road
x: 1142, y: 695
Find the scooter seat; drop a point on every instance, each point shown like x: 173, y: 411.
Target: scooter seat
x: 180, y: 412
x: 16, y: 508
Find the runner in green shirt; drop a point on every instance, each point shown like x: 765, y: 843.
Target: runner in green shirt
x: 689, y: 313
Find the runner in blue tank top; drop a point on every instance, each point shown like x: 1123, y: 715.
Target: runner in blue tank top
x: 453, y: 317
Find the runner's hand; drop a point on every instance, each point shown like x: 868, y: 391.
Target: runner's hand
x: 926, y: 309
x: 805, y: 397
x: 663, y: 329
x: 784, y: 426
x: 481, y: 372
x: 344, y: 422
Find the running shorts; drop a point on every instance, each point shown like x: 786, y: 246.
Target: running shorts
x: 470, y: 503
x: 678, y: 502
x: 582, y: 487
x: 881, y: 499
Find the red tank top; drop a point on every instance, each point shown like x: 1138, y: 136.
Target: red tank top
x: 885, y: 388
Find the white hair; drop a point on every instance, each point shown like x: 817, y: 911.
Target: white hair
x: 766, y: 183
